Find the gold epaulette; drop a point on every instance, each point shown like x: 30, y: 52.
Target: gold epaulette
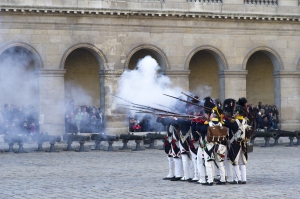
x: 206, y: 122
x: 239, y: 117
x: 214, y: 119
x: 232, y: 120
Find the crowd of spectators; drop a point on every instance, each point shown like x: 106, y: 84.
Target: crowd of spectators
x: 83, y: 119
x: 18, y: 119
x: 263, y: 117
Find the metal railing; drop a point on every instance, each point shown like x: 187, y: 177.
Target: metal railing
x: 261, y: 2
x: 206, y: 1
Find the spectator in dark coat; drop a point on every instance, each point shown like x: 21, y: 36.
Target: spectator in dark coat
x: 266, y: 123
x: 253, y: 113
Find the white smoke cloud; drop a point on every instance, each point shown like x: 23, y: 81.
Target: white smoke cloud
x: 18, y: 83
x: 203, y: 91
x: 144, y: 85
x: 75, y: 92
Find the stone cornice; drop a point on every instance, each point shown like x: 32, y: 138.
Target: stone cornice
x: 115, y: 73
x: 287, y: 74
x: 233, y: 74
x: 177, y: 72
x: 50, y: 73
x: 179, y: 14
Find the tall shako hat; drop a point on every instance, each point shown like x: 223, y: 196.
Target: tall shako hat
x: 209, y: 104
x: 241, y: 107
x: 229, y: 106
x: 218, y: 103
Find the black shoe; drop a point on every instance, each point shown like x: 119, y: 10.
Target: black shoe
x: 221, y: 183
x: 208, y: 184
x: 176, y: 179
x: 216, y: 180
x: 235, y: 182
x: 166, y: 178
x: 193, y: 180
x: 243, y: 182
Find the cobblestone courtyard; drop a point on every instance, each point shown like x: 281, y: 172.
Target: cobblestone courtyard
x: 272, y: 173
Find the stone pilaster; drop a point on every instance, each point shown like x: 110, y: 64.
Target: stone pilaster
x: 116, y: 121
x: 179, y: 78
x: 51, y: 101
x: 110, y: 80
x: 232, y: 84
x: 287, y: 98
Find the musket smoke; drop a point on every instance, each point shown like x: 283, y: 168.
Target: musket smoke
x: 144, y: 85
x: 18, y: 83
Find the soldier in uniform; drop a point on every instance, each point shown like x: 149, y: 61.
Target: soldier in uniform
x: 208, y: 149
x: 184, y: 142
x: 238, y: 150
x: 171, y: 149
x: 214, y: 151
x: 194, y: 138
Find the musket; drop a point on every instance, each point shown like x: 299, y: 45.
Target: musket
x: 166, y: 114
x: 149, y: 112
x: 156, y: 109
x: 189, y: 102
x: 128, y: 101
x: 165, y: 106
x: 190, y: 96
x: 121, y: 98
x: 143, y: 106
x: 144, y: 111
x: 183, y: 116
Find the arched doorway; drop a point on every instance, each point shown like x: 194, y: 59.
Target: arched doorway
x: 140, y: 55
x: 147, y: 121
x: 18, y: 82
x: 205, y: 64
x: 203, y: 78
x: 260, y: 79
x: 142, y: 51
x: 82, y: 78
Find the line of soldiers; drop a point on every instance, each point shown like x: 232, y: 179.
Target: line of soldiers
x: 196, y: 150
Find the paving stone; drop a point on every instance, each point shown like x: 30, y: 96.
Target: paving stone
x: 271, y: 173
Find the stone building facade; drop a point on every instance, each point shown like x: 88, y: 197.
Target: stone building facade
x: 235, y: 47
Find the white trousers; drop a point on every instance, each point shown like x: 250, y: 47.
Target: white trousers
x: 194, y: 168
x: 186, y: 162
x: 240, y: 173
x: 200, y: 165
x: 171, y: 167
x: 178, y: 167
